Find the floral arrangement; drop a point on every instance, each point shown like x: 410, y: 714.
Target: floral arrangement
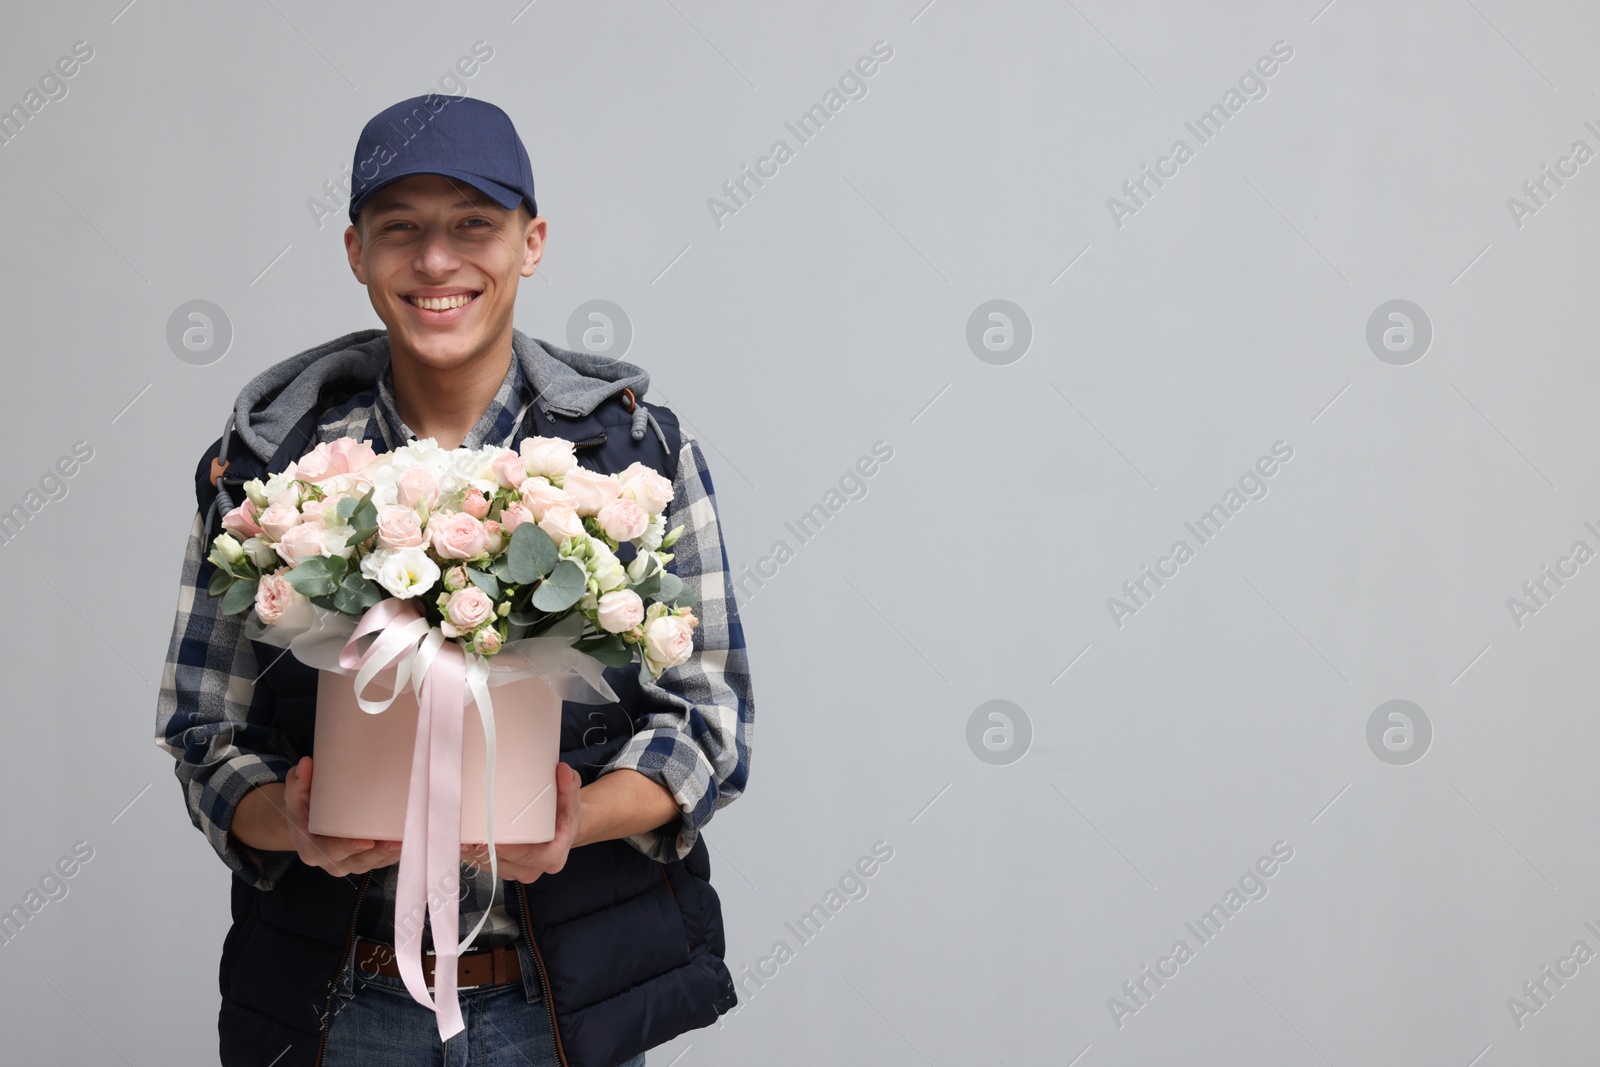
x: 495, y: 544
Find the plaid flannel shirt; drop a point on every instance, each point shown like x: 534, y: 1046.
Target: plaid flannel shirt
x: 694, y: 739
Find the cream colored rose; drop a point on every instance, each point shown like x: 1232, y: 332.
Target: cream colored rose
x: 646, y: 487
x: 561, y: 521
x: 590, y: 490
x: 623, y: 519
x: 620, y: 610
x: 417, y: 485
x: 551, y: 457
x: 668, y: 641
x: 300, y: 543
x: 539, y: 496
x: 399, y: 527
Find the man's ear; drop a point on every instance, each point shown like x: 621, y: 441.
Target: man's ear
x: 533, y: 245
x: 352, y: 250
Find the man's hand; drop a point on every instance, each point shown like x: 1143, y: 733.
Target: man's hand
x: 338, y: 856
x: 525, y: 863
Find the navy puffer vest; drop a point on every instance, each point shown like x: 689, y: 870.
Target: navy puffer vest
x: 628, y: 950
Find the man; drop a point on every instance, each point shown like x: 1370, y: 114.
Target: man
x: 607, y: 940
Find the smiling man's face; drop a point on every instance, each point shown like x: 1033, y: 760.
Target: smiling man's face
x: 441, y: 262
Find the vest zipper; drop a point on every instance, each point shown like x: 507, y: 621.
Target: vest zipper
x: 544, y: 976
x: 327, y: 1007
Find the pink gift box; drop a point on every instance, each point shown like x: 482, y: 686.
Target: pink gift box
x: 362, y: 768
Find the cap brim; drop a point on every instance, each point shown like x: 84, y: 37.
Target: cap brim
x: 505, y: 196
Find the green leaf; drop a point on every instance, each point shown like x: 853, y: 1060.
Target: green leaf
x: 220, y: 580
x: 310, y: 580
x: 531, y: 554
x: 485, y: 582
x: 502, y: 570
x: 346, y: 507
x: 561, y: 588
x: 671, y: 587
x: 650, y: 587
x: 609, y: 649
x: 240, y: 596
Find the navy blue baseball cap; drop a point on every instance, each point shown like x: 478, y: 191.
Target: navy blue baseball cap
x: 457, y: 136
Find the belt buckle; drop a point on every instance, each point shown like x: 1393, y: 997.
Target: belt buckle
x: 459, y: 988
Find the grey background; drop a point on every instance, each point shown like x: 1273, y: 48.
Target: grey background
x: 831, y: 312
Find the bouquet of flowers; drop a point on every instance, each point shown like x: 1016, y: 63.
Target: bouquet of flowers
x: 495, y: 544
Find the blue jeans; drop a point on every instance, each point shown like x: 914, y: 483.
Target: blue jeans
x: 377, y: 1024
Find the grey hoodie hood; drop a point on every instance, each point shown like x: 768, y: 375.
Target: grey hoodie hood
x: 564, y: 382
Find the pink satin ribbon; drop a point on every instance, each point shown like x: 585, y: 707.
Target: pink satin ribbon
x: 431, y: 847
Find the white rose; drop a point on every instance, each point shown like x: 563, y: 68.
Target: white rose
x: 405, y: 573
x: 333, y: 541
x: 261, y: 552
x: 281, y: 488
x: 551, y: 457
x: 620, y: 610
x: 651, y: 539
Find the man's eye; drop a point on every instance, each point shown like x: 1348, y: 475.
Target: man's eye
x: 485, y: 222
x: 392, y: 225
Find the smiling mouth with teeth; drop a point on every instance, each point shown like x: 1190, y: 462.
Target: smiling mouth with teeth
x: 441, y: 303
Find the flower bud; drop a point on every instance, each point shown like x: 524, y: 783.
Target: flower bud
x: 455, y: 578
x: 672, y: 537
x: 256, y: 490
x: 229, y: 549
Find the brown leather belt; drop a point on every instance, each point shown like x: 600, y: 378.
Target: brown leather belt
x: 497, y: 965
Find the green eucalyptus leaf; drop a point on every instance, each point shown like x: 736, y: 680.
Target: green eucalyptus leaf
x: 485, y: 582
x: 239, y: 597
x: 561, y: 588
x: 531, y: 554
x: 220, y: 580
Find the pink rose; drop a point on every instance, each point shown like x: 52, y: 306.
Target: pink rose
x: 456, y: 578
x: 540, y: 496
x: 668, y: 641
x: 241, y: 521
x: 494, y: 537
x: 398, y: 527
x: 514, y: 516
x: 274, y: 596
x: 314, y: 465
x: 561, y: 521
x: 278, y: 520
x: 623, y: 519
x: 469, y: 608
x: 591, y: 491
x: 509, y: 470
x: 417, y: 485
x: 551, y: 457
x: 456, y: 535
x: 648, y: 488
x: 350, y: 456
x: 486, y: 642
x: 475, y: 503
x: 300, y: 543
x: 620, y: 610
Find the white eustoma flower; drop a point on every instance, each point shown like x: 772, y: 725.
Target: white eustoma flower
x: 403, y: 572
